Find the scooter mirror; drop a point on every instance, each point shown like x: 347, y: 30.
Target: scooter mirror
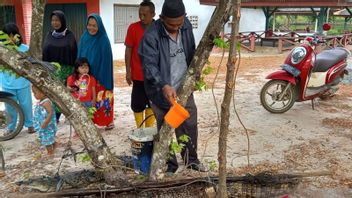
x: 326, y: 26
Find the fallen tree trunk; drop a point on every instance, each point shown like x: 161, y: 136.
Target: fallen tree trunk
x: 40, y: 77
x: 161, y: 144
x: 265, y: 180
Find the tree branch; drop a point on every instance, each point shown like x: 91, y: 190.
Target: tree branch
x: 71, y: 108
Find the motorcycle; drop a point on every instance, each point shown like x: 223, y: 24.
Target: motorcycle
x: 305, y: 75
x: 11, y: 117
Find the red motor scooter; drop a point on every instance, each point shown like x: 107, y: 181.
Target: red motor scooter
x: 305, y: 75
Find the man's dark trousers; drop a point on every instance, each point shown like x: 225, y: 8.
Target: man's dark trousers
x: 188, y: 127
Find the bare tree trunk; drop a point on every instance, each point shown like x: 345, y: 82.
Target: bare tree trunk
x: 71, y: 108
x: 225, y: 106
x: 161, y: 144
x: 35, y: 47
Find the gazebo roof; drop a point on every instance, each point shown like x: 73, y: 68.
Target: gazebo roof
x: 342, y: 13
x: 304, y: 11
x: 287, y: 3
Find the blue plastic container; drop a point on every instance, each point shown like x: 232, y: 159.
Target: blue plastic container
x: 142, y: 148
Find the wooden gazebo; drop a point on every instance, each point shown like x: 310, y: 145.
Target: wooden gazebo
x: 317, y: 8
x: 287, y: 3
x: 270, y: 6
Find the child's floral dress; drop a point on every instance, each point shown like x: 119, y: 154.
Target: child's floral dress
x: 47, y: 135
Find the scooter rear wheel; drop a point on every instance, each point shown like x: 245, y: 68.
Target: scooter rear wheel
x: 270, y: 96
x: 6, y: 118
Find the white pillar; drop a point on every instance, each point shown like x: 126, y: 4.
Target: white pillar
x: 274, y: 22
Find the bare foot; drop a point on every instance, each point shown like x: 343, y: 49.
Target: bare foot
x: 2, y: 174
x: 110, y: 126
x: 50, y: 149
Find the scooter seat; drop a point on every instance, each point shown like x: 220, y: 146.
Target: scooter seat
x: 328, y: 58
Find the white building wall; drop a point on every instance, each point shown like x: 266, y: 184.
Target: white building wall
x: 251, y: 19
x: 193, y: 8
x: 107, y: 15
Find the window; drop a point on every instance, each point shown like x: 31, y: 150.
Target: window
x: 7, y: 14
x: 124, y: 15
x: 76, y: 17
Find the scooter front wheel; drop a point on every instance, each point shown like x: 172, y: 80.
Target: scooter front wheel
x: 277, y: 96
x: 11, y: 119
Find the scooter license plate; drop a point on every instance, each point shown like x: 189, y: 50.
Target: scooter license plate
x: 290, y: 69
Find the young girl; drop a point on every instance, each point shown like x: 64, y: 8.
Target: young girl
x: 82, y: 84
x: 44, y: 120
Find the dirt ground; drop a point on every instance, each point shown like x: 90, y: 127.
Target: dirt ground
x: 300, y: 141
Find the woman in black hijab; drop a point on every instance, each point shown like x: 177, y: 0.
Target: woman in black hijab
x: 60, y: 46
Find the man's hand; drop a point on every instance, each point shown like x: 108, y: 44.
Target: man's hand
x: 128, y: 78
x: 169, y: 93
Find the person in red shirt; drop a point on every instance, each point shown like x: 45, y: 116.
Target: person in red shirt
x: 82, y: 84
x: 134, y: 73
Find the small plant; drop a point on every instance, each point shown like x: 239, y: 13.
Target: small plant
x: 9, y: 44
x: 84, y: 158
x: 141, y: 177
x: 212, y: 165
x: 56, y: 65
x: 9, y: 71
x: 201, y: 85
x: 176, y: 147
x: 238, y: 46
x: 184, y: 138
x: 221, y: 43
x: 91, y: 111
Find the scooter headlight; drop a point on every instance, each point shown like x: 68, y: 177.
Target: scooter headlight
x: 298, y: 54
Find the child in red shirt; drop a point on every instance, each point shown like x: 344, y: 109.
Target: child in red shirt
x: 82, y: 84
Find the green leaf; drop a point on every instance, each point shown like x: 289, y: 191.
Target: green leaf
x: 8, y: 70
x: 238, y: 46
x: 8, y: 43
x: 91, y: 111
x: 221, y: 43
x: 175, y: 147
x: 84, y: 158
x: 3, y: 36
x: 201, y: 85
x: 212, y: 165
x: 184, y: 138
x: 56, y: 65
x: 207, y: 70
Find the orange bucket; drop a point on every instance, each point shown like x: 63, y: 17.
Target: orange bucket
x: 176, y: 115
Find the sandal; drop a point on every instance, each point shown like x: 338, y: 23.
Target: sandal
x: 31, y: 130
x: 110, y: 126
